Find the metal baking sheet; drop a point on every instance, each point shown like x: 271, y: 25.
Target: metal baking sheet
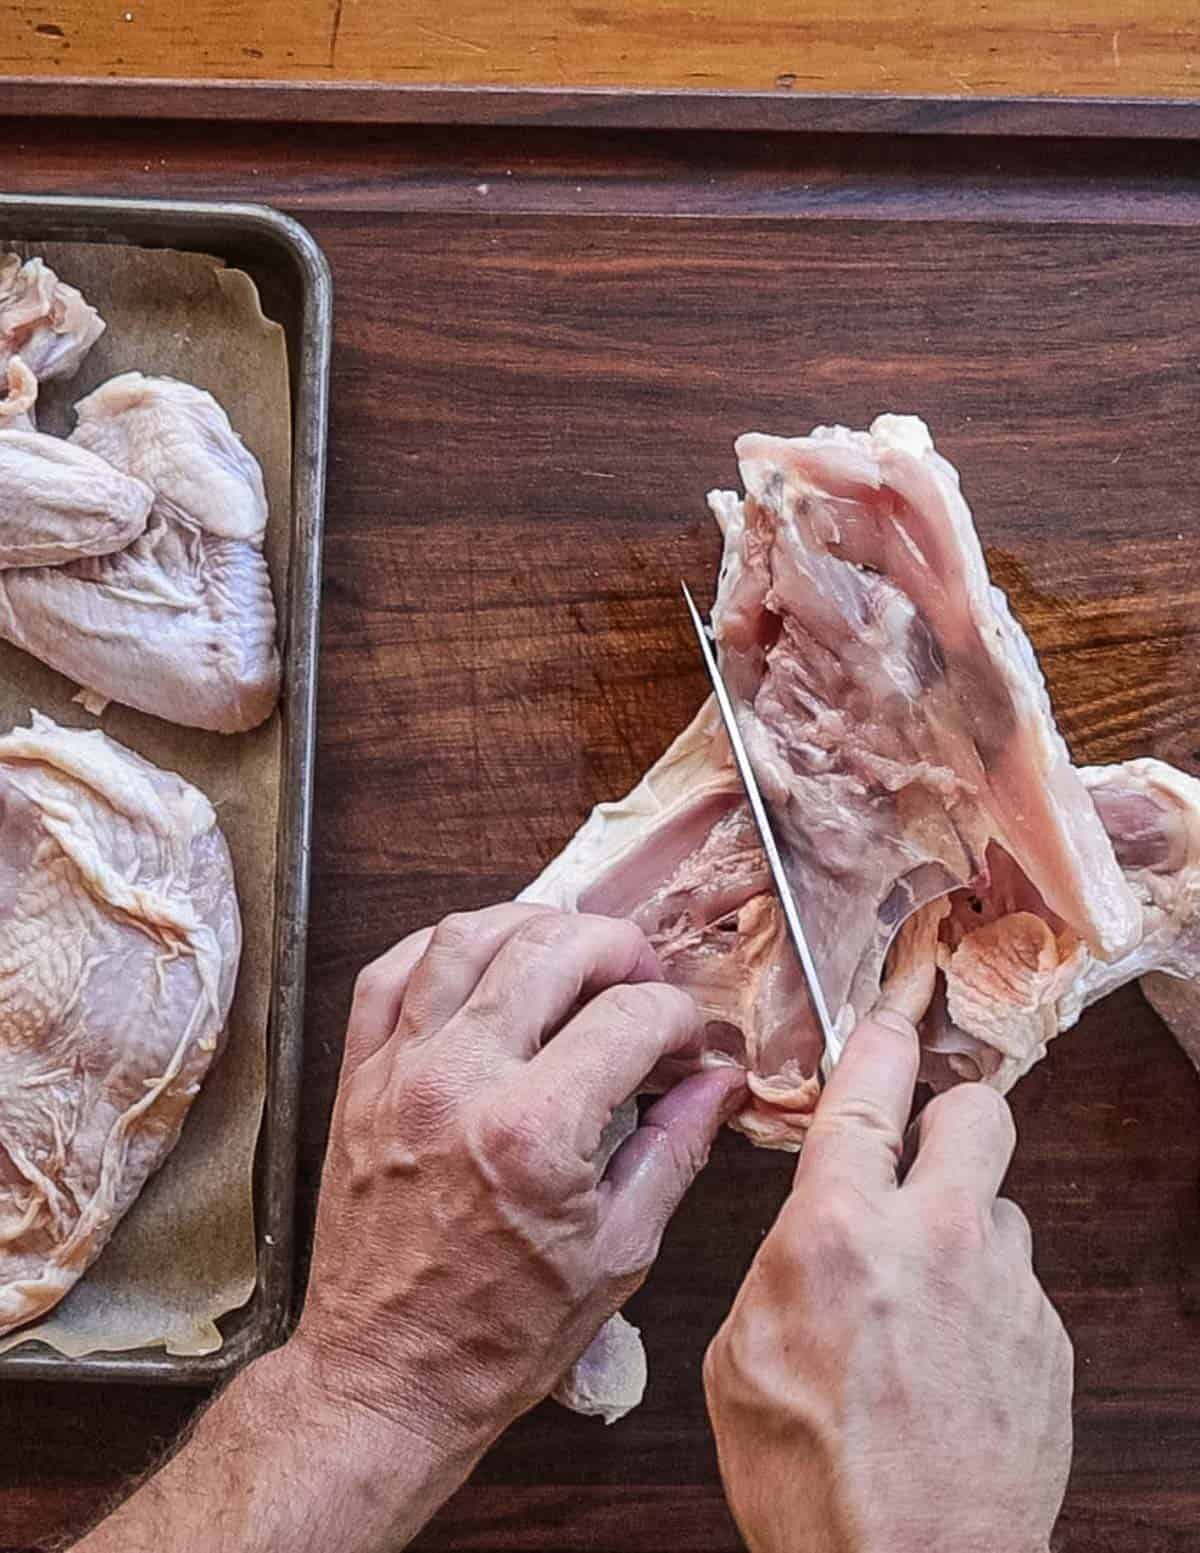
x: 294, y: 285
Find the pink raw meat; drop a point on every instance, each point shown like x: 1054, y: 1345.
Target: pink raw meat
x: 901, y: 731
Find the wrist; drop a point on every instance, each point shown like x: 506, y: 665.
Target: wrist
x: 412, y: 1381
x: 396, y: 1427
x: 285, y: 1459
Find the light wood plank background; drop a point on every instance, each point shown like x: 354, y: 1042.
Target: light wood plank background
x: 1116, y: 47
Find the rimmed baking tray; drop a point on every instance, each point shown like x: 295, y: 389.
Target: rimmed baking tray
x: 294, y: 285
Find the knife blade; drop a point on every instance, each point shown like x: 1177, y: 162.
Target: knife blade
x: 758, y: 808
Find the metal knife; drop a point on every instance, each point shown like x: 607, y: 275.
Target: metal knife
x: 762, y: 819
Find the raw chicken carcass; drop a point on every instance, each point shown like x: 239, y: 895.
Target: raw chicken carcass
x: 58, y: 502
x: 680, y: 856
x: 892, y: 706
x: 43, y: 320
x: 1013, y: 976
x: 119, y: 944
x: 904, y: 742
x: 1151, y: 812
x: 181, y: 621
x: 901, y: 731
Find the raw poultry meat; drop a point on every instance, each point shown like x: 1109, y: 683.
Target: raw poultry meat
x: 901, y: 731
x: 679, y: 855
x: 19, y: 397
x: 902, y: 736
x: 1151, y: 812
x: 42, y: 320
x: 179, y: 622
x: 139, y: 542
x: 58, y: 502
x: 119, y: 944
x: 898, y: 722
x: 1013, y: 976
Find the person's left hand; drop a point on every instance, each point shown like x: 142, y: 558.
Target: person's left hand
x: 468, y: 1243
x: 470, y: 1240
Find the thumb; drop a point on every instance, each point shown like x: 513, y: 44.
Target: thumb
x: 648, y: 1176
x: 857, y: 1131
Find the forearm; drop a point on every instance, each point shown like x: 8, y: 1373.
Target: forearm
x: 466, y: 1250
x: 275, y: 1464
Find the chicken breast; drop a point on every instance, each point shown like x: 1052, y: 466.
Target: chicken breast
x: 44, y: 321
x: 181, y: 621
x: 119, y: 945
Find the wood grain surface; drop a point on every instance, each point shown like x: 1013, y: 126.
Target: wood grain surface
x: 971, y: 46
x: 545, y: 343
x: 592, y: 107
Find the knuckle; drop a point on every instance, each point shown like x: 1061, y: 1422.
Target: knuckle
x: 454, y: 932
x: 714, y: 1362
x: 648, y: 1003
x: 482, y: 1020
x: 354, y: 1113
x: 621, y: 933
x: 370, y: 982
x: 1062, y: 1339
x: 959, y: 1224
x: 508, y: 1139
x: 546, y: 930
x: 977, y: 1105
x: 552, y: 930
x: 726, y: 1361
x: 857, y: 1116
x: 838, y: 1213
x: 745, y: 1348
x: 429, y: 1098
x: 1015, y: 1215
x: 634, y: 1004
x: 1044, y: 1343
x: 837, y: 1232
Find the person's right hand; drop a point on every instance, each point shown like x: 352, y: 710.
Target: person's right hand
x: 892, y: 1378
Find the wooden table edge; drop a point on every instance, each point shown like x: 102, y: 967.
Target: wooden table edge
x: 1130, y: 118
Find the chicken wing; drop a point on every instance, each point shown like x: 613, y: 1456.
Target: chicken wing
x: 58, y: 502
x: 43, y: 320
x: 180, y: 622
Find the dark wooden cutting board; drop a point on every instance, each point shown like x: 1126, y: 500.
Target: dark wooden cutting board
x: 546, y: 341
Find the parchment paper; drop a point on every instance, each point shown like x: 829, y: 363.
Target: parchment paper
x: 185, y: 1252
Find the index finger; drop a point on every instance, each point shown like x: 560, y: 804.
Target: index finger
x: 858, y: 1129
x: 543, y: 970
x: 378, y: 995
